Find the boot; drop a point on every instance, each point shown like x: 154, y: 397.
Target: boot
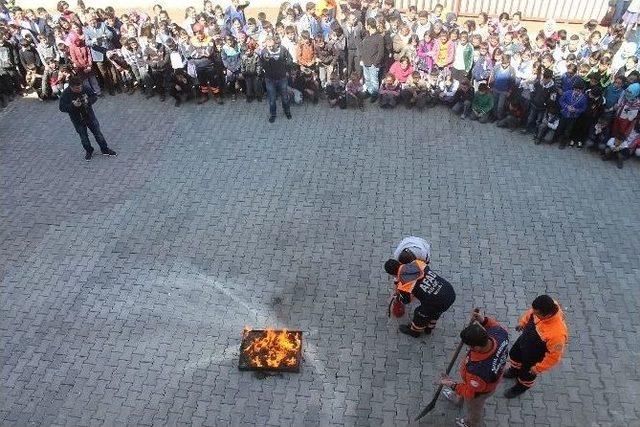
x: 510, y: 372
x: 515, y: 391
x: 408, y: 330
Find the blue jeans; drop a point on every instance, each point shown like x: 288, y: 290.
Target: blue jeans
x: 499, y: 100
x: 370, y: 75
x: 90, y: 123
x: 275, y: 88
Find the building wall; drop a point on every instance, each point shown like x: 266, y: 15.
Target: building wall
x: 560, y: 10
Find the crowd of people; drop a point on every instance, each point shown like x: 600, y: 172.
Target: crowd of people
x: 578, y: 89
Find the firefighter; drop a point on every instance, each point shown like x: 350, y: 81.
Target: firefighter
x: 481, y: 370
x: 416, y: 246
x: 415, y: 279
x: 540, y: 345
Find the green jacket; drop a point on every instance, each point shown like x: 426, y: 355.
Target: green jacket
x: 482, y: 103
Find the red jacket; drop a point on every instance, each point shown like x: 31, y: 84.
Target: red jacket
x: 80, y: 56
x: 482, y: 372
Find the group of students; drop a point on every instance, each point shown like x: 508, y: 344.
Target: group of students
x: 538, y: 348
x: 579, y: 89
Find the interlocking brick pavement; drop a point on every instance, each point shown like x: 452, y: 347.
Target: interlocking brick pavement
x: 127, y: 281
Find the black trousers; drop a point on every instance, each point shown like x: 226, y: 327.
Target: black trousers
x: 521, y: 364
x: 91, y: 124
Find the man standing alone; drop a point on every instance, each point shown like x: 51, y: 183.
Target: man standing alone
x: 76, y: 100
x: 276, y: 61
x: 371, y: 55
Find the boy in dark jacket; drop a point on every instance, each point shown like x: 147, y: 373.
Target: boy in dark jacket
x: 250, y: 72
x: 462, y: 99
x: 543, y: 94
x: 76, y: 100
x: 159, y: 69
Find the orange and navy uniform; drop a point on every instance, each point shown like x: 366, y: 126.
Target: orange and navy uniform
x: 481, y: 372
x: 539, y: 347
x: 435, y: 294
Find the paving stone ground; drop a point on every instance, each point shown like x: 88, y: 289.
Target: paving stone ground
x: 126, y: 281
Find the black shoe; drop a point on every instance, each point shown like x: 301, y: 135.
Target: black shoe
x: 112, y: 92
x: 374, y: 98
x: 219, y: 101
x: 87, y: 155
x: 562, y: 145
x: 178, y: 102
x: 510, y: 373
x: 619, y: 163
x: 109, y: 152
x: 249, y: 99
x: 287, y: 114
x: 407, y: 330
x: 272, y: 119
x: 162, y: 98
x: 150, y: 95
x: 515, y: 391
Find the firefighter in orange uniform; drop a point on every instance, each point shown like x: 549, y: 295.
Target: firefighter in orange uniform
x: 481, y: 371
x: 414, y: 279
x: 540, y: 345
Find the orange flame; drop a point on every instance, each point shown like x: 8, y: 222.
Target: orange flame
x: 273, y: 349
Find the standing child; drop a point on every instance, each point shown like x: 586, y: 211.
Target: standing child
x: 626, y: 113
x: 304, y: 51
x: 572, y: 104
x: 325, y: 60
x: 482, y: 67
x: 443, y: 51
x: 159, y: 69
x: 543, y: 94
x: 231, y: 59
x: 250, y: 72
x: 425, y: 60
x: 463, y: 59
x: 503, y: 82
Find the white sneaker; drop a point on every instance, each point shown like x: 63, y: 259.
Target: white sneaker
x: 464, y: 116
x: 571, y: 143
x: 461, y: 422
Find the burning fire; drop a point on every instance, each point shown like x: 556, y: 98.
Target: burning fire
x: 273, y: 349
